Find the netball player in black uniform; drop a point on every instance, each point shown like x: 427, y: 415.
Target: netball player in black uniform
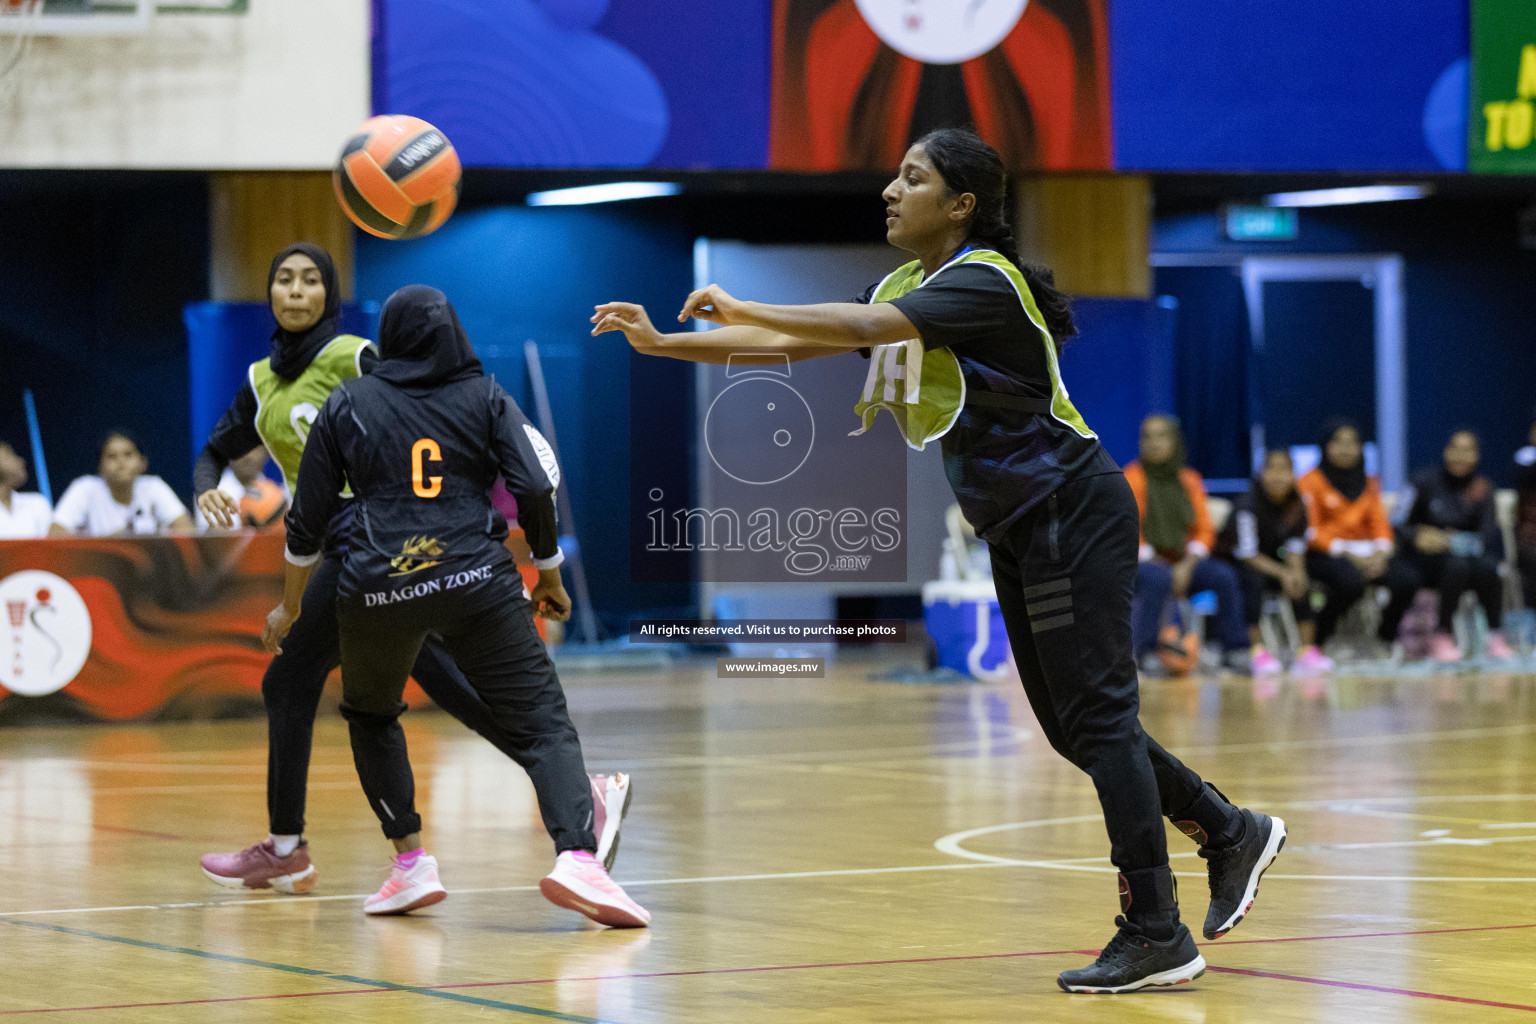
x: 421, y: 440
x: 275, y: 408
x: 1054, y: 508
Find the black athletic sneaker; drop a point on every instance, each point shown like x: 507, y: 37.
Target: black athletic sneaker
x: 1132, y: 961
x: 1235, y: 870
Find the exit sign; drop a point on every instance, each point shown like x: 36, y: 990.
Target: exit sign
x: 1261, y: 223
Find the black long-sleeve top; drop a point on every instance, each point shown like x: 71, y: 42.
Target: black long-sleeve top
x: 1469, y: 508
x: 235, y: 433
x: 421, y: 466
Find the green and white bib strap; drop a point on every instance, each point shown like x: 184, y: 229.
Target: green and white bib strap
x: 286, y: 409
x: 923, y: 390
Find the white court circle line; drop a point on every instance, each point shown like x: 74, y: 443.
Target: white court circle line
x: 953, y: 845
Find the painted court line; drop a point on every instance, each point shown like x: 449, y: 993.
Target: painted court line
x: 1330, y: 983
x: 270, y: 901
x: 450, y: 989
x: 370, y: 983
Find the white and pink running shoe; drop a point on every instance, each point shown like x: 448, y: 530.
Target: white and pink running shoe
x: 1442, y: 648
x: 1497, y: 647
x: 1312, y: 661
x: 1265, y: 664
x: 610, y: 803
x: 412, y: 884
x: 259, y: 867
x: 579, y: 883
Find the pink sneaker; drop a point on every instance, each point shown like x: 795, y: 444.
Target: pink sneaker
x: 259, y: 867
x: 1498, y: 648
x: 410, y: 886
x: 610, y: 803
x: 1312, y: 661
x: 1442, y: 648
x: 579, y: 883
x: 1264, y: 664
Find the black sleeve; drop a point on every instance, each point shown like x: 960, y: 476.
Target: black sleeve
x: 1424, y: 486
x: 966, y: 303
x: 322, y: 476
x: 1488, y: 525
x: 864, y: 298
x: 527, y: 464
x: 233, y: 436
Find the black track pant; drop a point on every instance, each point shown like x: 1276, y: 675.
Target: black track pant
x: 500, y: 653
x: 1454, y: 575
x: 1065, y: 575
x: 1345, y: 585
x: 294, y: 680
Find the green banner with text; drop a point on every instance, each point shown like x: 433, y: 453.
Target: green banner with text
x: 1503, y: 95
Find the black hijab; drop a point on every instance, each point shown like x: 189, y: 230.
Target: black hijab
x: 1349, y: 482
x: 293, y: 351
x: 421, y: 343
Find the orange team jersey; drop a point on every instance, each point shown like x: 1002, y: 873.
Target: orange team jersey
x: 1202, y: 535
x: 1340, y: 526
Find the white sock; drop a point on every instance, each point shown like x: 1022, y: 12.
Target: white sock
x: 284, y: 845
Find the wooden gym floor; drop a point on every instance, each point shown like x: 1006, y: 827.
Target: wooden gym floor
x: 822, y: 851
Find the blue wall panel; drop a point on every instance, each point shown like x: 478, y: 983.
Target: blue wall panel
x: 1121, y: 367
x: 577, y: 83
x: 1306, y: 85
x: 518, y: 273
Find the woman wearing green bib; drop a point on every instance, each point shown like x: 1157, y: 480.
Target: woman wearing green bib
x: 963, y: 345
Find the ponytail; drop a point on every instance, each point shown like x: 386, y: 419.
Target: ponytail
x: 968, y: 164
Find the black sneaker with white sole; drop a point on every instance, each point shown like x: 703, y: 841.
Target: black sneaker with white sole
x: 1133, y: 961
x: 1235, y: 870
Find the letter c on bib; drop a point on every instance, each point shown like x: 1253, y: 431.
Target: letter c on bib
x: 431, y: 486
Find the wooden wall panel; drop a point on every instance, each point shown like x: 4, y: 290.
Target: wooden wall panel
x: 1093, y: 230
x: 253, y: 214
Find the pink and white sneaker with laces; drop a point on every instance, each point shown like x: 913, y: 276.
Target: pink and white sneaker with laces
x: 1312, y: 661
x: 579, y: 883
x: 1264, y: 664
x: 1498, y: 648
x: 1442, y: 648
x: 610, y: 803
x: 412, y: 884
x: 259, y: 867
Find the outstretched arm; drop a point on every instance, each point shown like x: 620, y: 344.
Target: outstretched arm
x: 748, y: 329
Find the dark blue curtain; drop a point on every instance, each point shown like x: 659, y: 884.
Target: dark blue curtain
x: 1212, y: 351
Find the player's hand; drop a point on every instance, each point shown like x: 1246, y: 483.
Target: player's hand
x: 279, y: 621
x: 549, y: 599
x: 1432, y: 541
x: 219, y: 508
x: 629, y: 318
x: 1296, y: 584
x: 714, y: 304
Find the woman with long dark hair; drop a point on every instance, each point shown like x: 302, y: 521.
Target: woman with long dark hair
x: 1033, y: 480
x: 1265, y: 537
x: 276, y: 407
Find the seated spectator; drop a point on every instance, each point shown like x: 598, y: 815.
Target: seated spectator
x: 22, y: 516
x: 123, y: 499
x: 259, y: 503
x: 1451, y: 535
x: 1525, y: 518
x: 1350, y: 541
x: 1266, y: 538
x: 1176, y: 542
